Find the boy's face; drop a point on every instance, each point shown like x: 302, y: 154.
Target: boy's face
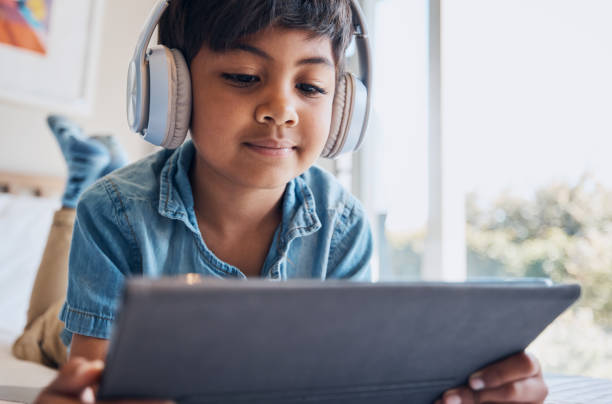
x: 262, y: 112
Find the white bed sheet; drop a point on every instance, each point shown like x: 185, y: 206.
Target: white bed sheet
x: 24, y: 226
x: 15, y: 372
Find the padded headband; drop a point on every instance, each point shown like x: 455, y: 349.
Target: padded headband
x: 138, y: 89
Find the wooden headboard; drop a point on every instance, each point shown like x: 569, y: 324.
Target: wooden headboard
x: 31, y: 184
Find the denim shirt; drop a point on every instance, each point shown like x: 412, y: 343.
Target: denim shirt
x: 140, y: 221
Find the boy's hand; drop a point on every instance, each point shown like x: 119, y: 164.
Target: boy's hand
x: 75, y: 383
x: 517, y: 379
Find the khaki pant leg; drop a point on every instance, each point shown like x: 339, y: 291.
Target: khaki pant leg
x: 52, y: 277
x: 40, y: 341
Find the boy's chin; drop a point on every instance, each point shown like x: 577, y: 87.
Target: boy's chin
x: 263, y: 177
x: 269, y: 178
x: 271, y: 183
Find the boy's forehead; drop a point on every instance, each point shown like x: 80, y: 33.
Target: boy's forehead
x: 285, y: 41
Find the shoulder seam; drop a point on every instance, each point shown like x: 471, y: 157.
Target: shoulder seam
x: 123, y: 212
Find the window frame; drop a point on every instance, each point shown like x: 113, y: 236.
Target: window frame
x: 445, y: 256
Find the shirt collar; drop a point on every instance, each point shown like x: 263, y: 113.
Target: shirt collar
x: 299, y: 217
x: 175, y: 195
x: 299, y: 212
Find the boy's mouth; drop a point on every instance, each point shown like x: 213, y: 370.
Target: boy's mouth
x: 271, y: 147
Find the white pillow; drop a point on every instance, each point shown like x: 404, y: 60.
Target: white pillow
x: 24, y: 227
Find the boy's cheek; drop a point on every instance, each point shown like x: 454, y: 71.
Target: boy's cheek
x: 320, y: 129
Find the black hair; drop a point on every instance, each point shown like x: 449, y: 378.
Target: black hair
x: 187, y: 25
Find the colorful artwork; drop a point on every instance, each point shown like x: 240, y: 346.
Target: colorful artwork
x: 25, y: 23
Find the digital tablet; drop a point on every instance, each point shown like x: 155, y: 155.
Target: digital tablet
x: 201, y: 340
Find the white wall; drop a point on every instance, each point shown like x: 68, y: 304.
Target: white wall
x: 26, y: 144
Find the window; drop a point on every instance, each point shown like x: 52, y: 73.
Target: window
x: 523, y: 185
x: 395, y: 168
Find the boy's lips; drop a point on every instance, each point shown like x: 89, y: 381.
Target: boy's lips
x: 271, y: 147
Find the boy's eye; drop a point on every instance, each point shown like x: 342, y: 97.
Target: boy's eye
x: 240, y: 80
x: 309, y: 89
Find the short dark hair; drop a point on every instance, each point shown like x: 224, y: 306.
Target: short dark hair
x: 187, y: 25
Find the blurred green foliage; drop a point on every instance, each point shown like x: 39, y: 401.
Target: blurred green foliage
x: 564, y: 232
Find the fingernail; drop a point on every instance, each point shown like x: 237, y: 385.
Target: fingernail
x: 89, y: 366
x: 476, y: 381
x: 87, y: 396
x: 452, y: 397
x: 98, y: 364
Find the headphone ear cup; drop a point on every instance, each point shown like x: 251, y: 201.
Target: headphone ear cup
x: 340, y: 117
x: 179, y: 103
x: 349, y: 117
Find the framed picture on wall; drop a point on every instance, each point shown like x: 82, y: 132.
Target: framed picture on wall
x: 48, y: 52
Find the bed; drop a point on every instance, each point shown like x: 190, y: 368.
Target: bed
x: 27, y: 204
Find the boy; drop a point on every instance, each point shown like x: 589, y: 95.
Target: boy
x: 242, y: 199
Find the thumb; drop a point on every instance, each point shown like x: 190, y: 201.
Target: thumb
x: 76, y: 375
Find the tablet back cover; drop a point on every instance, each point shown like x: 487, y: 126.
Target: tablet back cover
x: 304, y: 341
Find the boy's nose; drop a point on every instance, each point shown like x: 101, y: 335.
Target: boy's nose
x: 279, y: 113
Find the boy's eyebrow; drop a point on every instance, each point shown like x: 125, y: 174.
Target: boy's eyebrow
x: 258, y: 52
x: 315, y: 60
x: 251, y: 49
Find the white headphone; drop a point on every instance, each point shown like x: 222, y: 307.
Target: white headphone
x: 159, y: 92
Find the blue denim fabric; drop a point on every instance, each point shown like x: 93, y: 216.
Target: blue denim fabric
x: 140, y: 221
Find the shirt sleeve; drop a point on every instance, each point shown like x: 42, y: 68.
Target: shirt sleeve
x: 352, y: 246
x: 102, y: 252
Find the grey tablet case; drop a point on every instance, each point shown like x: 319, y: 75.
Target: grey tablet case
x: 219, y: 341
